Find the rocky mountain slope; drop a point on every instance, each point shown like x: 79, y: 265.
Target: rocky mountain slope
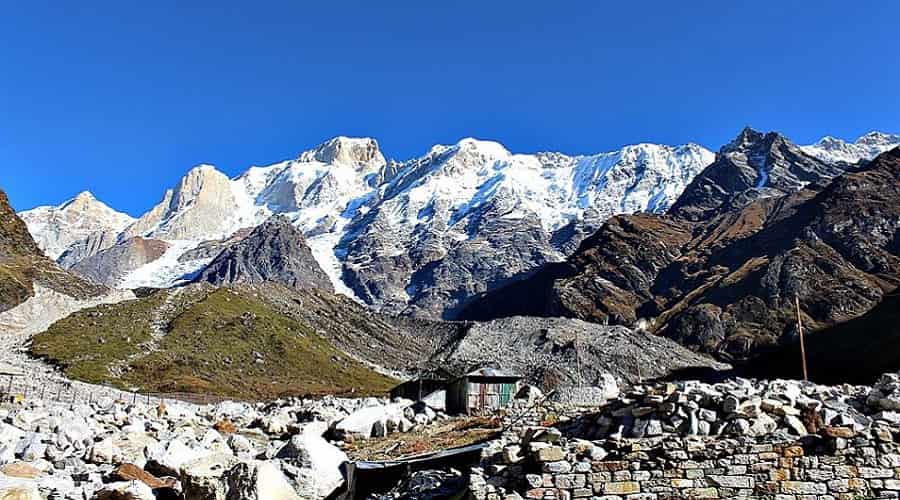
x: 415, y: 236
x: 727, y: 285
x: 110, y: 265
x: 754, y: 165
x: 552, y: 352
x: 23, y: 266
x: 274, y: 251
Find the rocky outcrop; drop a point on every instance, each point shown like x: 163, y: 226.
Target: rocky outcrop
x: 109, y: 266
x: 87, y: 247
x: 274, y: 251
x: 727, y: 285
x: 753, y: 166
x: 202, y: 204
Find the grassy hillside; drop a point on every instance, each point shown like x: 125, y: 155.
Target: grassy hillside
x: 208, y: 341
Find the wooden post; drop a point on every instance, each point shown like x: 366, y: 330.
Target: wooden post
x: 802, y: 343
x: 578, y: 360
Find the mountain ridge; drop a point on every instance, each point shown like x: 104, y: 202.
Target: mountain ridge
x: 726, y: 285
x: 415, y: 237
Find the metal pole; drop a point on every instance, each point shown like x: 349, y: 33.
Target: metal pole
x: 802, y: 343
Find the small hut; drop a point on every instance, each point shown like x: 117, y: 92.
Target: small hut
x: 481, y: 391
x: 417, y: 389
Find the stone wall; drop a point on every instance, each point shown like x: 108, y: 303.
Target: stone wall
x: 777, y: 440
x: 837, y: 464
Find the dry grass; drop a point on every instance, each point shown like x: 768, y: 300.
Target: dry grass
x: 453, y: 433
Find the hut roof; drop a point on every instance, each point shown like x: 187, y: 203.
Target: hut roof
x: 492, y: 372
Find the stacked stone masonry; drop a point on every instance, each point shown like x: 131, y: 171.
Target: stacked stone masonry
x: 646, y: 445
x: 815, y: 468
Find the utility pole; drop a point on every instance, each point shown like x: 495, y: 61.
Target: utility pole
x: 578, y: 359
x: 800, y: 331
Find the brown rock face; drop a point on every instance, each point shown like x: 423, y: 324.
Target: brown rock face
x: 726, y: 285
x: 112, y: 264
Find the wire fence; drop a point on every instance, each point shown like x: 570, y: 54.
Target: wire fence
x: 17, y: 389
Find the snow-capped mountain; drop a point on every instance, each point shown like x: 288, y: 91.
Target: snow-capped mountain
x: 466, y: 217
x: 57, y: 228
x: 419, y: 236
x: 867, y: 147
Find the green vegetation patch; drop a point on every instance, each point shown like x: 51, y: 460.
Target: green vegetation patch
x: 225, y: 344
x: 87, y: 343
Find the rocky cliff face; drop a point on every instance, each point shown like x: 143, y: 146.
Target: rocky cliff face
x: 200, y: 206
x: 111, y: 265
x: 274, y: 251
x: 727, y: 285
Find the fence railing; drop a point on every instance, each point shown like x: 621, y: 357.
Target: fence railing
x: 20, y: 389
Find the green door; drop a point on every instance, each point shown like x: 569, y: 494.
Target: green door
x: 505, y: 393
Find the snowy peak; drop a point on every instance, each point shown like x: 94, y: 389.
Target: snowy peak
x: 865, y: 148
x: 879, y: 139
x: 82, y: 199
x: 362, y: 152
x: 57, y: 227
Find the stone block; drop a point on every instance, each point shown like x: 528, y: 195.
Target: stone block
x: 621, y: 488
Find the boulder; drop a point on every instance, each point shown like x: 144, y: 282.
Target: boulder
x: 19, y: 492
x: 132, y: 490
x: 318, y: 464
x: 22, y: 470
x: 131, y: 472
x: 202, y: 478
x: 258, y: 480
x: 885, y: 394
x: 364, y: 422
x: 175, y: 455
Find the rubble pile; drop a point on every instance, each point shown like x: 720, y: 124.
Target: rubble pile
x: 285, y: 449
x: 737, y: 439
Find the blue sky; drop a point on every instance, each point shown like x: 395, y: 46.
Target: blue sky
x: 122, y: 98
